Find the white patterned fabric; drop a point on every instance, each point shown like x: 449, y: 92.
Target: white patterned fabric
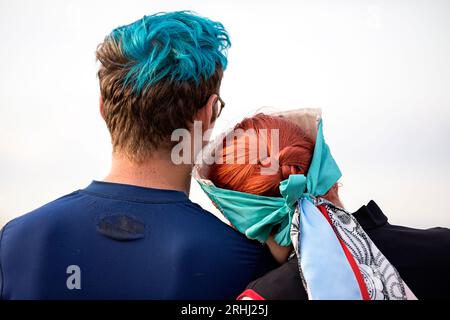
x: 378, y: 278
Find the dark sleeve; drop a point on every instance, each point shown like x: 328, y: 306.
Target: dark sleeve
x: 422, y: 257
x: 283, y: 283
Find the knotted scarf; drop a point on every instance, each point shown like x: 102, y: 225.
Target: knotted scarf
x: 337, y: 260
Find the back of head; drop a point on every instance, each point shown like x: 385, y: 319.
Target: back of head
x: 293, y: 154
x: 155, y: 74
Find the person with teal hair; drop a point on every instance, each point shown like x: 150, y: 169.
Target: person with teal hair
x: 136, y: 234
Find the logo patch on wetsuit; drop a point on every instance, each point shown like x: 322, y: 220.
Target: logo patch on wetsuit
x: 121, y: 227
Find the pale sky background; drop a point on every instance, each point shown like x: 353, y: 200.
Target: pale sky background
x: 380, y: 70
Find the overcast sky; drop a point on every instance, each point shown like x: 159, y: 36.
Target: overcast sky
x: 380, y: 70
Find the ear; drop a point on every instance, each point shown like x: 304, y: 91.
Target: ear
x: 100, y: 103
x: 205, y: 114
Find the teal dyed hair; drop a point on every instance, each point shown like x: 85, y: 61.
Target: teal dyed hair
x: 178, y: 46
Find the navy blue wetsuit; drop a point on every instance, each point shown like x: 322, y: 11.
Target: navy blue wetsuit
x: 115, y: 241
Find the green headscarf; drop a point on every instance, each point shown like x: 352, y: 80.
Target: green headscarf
x: 256, y: 216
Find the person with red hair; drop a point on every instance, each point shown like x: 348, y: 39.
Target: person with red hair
x: 286, y: 195
x: 295, y: 149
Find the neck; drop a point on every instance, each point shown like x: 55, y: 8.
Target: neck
x: 157, y: 172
